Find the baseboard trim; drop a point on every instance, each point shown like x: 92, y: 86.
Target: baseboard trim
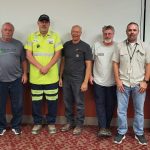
x: 88, y: 120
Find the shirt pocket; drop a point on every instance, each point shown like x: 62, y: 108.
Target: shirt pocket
x: 124, y: 56
x: 79, y: 55
x: 140, y: 57
x: 36, y: 45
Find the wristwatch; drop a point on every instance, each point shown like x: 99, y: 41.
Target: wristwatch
x: 147, y: 81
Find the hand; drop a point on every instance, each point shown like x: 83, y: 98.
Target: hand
x: 84, y: 86
x: 120, y: 86
x: 91, y: 80
x: 60, y: 82
x: 24, y: 78
x: 143, y: 87
x: 44, y: 70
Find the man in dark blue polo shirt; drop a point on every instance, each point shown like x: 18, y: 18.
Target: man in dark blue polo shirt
x: 75, y: 70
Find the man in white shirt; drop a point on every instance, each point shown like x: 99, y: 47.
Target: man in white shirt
x: 131, y: 62
x: 103, y: 80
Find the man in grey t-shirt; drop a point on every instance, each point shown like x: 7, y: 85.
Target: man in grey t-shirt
x: 75, y: 70
x: 13, y: 72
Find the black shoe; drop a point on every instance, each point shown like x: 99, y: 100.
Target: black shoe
x: 141, y: 139
x: 16, y: 131
x: 119, y: 138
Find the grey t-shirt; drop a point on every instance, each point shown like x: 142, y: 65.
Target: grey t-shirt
x: 75, y: 57
x: 11, y: 56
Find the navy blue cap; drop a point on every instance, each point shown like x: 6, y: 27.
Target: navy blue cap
x: 44, y: 17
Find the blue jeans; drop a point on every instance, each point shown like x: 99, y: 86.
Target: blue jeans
x: 15, y: 90
x: 138, y: 103
x: 51, y: 105
x: 105, y: 102
x: 72, y: 95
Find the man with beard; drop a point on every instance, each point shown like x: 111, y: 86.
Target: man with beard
x: 75, y: 71
x: 43, y: 51
x: 103, y: 80
x: 131, y: 62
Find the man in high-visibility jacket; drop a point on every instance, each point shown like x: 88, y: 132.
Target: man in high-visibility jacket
x: 43, y: 51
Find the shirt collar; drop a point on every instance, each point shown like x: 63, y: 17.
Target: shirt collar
x: 137, y: 42
x: 139, y: 46
x: 39, y: 34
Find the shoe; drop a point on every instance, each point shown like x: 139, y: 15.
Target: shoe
x: 108, y: 132
x: 2, y: 131
x: 66, y: 127
x: 36, y: 129
x: 77, y: 130
x: 104, y: 132
x: 141, y: 139
x: 119, y: 138
x: 17, y: 131
x: 51, y: 129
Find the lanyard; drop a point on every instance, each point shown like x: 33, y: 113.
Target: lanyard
x: 131, y: 56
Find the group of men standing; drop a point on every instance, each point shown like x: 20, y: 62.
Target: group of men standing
x: 123, y: 67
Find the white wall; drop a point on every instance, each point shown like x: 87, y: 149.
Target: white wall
x: 92, y: 15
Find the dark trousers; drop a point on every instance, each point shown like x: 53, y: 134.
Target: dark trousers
x: 72, y: 95
x: 37, y: 114
x: 15, y: 90
x: 105, y: 100
x: 51, y: 105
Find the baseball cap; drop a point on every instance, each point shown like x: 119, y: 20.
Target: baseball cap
x: 44, y: 17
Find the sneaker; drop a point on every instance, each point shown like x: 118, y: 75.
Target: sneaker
x: 119, y: 138
x: 16, y: 131
x: 108, y: 132
x: 77, y: 130
x: 141, y: 139
x: 51, y: 129
x: 104, y: 132
x: 66, y: 127
x: 36, y: 129
x: 2, y: 131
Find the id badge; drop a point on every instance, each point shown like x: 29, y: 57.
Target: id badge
x: 77, y: 55
x: 50, y: 41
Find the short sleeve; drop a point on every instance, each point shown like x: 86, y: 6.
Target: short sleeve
x: 23, y: 54
x: 93, y: 51
x: 88, y: 53
x: 116, y: 54
x: 28, y: 45
x: 147, y: 49
x: 58, y: 43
